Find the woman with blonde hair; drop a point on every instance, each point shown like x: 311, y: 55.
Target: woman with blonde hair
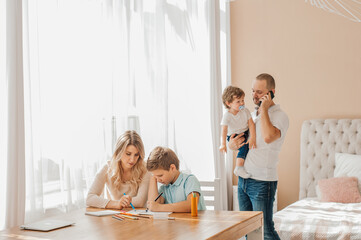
x: 124, y: 179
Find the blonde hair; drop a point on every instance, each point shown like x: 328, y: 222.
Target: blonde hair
x: 230, y: 92
x: 162, y: 158
x: 116, y: 170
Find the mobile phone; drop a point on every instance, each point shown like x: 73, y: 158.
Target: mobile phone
x: 272, y: 96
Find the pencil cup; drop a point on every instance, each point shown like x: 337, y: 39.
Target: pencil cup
x: 194, y: 205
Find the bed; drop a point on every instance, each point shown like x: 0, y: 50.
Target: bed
x: 314, y: 216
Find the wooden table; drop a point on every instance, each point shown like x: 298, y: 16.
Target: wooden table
x: 208, y: 225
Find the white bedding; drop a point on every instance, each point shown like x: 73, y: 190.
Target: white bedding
x: 311, y: 219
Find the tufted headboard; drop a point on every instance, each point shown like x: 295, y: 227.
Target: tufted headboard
x: 320, y: 139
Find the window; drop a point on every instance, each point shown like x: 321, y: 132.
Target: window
x: 98, y: 68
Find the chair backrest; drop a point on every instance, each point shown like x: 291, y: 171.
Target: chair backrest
x: 212, y: 194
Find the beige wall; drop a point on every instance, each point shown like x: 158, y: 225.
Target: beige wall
x: 315, y: 57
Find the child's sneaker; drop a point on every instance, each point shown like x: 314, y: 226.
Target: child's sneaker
x: 241, y: 172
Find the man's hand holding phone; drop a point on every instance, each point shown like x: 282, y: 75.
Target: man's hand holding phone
x: 266, y: 101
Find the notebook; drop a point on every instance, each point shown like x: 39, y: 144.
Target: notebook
x: 46, y: 225
x: 102, y: 213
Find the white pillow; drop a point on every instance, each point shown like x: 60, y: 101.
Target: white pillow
x: 348, y: 165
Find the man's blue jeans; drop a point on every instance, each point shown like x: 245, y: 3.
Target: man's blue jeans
x: 255, y: 195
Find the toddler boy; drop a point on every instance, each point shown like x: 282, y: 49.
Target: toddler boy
x: 236, y: 120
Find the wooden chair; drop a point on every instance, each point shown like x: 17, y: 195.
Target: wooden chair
x: 212, y: 194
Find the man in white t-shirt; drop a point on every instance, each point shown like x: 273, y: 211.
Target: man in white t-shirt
x: 257, y: 193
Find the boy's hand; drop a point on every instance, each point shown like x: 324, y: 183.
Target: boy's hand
x: 252, y: 143
x: 153, y: 206
x: 153, y: 179
x: 223, y: 148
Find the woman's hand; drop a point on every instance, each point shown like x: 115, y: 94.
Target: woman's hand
x: 125, y: 201
x: 115, y: 204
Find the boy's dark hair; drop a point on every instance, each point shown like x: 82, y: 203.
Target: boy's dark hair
x: 229, y: 93
x: 162, y: 158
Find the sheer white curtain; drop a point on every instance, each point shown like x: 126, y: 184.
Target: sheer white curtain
x: 226, y: 174
x: 168, y: 68
x: 12, y: 115
x: 70, y: 72
x: 4, y: 113
x: 94, y: 69
x: 168, y: 44
x: 220, y: 78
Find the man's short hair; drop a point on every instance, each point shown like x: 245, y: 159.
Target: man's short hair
x: 228, y: 94
x: 162, y: 158
x: 271, y: 84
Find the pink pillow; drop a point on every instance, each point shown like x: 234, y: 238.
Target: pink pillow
x: 341, y: 189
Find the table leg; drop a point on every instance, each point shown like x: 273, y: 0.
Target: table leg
x: 256, y: 234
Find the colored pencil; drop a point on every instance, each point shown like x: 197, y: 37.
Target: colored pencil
x: 130, y: 204
x: 160, y: 194
x: 133, y: 215
x: 118, y: 218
